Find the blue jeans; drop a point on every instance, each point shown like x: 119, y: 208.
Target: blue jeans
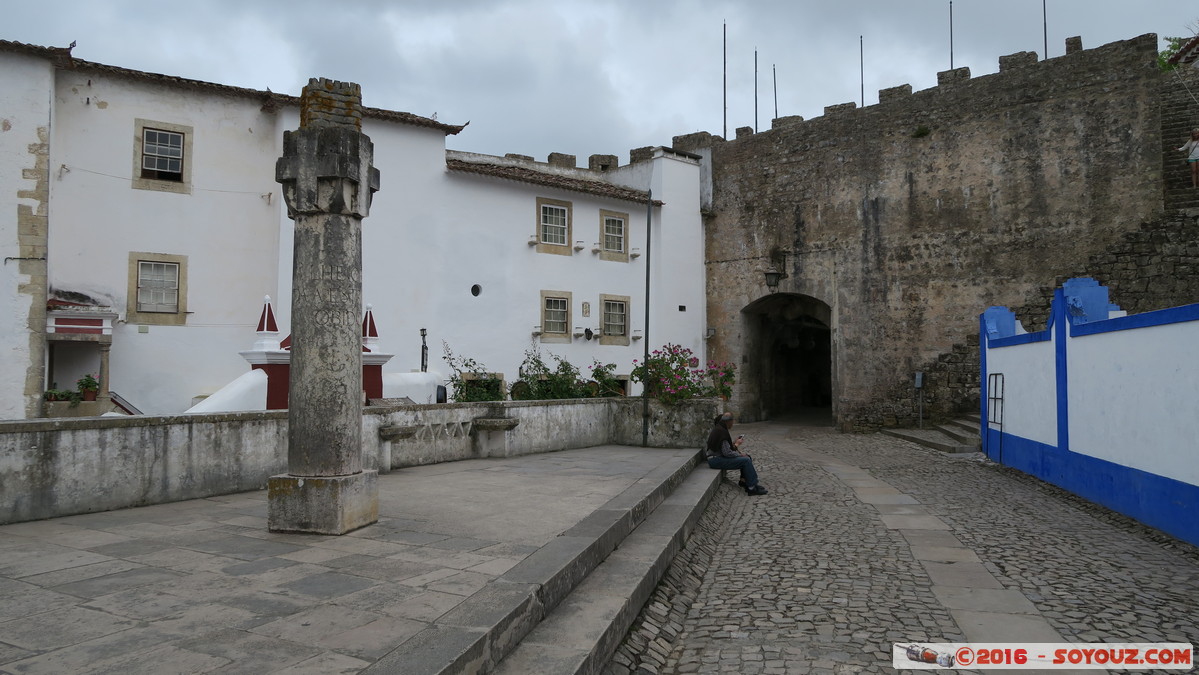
x: 743, y: 464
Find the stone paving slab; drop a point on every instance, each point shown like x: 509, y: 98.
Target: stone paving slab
x: 985, y: 599
x: 202, y: 586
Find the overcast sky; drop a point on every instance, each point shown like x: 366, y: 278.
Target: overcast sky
x: 575, y: 76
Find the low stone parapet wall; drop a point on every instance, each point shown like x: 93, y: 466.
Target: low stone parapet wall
x: 58, y: 467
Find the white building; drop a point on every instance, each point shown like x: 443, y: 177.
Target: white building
x: 149, y: 202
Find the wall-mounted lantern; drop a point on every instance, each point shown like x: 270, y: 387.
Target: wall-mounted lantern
x: 772, y: 278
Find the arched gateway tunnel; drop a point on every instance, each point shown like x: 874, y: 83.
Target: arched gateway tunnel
x: 789, y: 370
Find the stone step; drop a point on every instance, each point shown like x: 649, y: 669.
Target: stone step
x: 583, y: 632
x: 964, y: 432
x: 485, y: 628
x: 932, y: 438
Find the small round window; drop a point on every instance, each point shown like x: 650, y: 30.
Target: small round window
x: 476, y: 290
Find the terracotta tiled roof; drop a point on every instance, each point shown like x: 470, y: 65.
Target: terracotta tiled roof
x: 1188, y: 53
x: 535, y: 177
x: 62, y: 59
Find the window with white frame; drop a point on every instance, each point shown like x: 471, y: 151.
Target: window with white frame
x: 162, y: 156
x: 614, y: 319
x: 157, y: 286
x: 157, y: 289
x: 614, y: 234
x: 553, y: 226
x: 555, y: 316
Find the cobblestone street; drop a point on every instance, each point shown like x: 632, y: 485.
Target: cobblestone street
x: 866, y: 540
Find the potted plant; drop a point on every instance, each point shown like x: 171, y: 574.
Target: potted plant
x: 64, y: 395
x: 88, y: 386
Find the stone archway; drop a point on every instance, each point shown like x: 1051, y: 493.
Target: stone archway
x: 790, y: 357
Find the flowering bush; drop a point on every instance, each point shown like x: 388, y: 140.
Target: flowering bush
x: 673, y: 374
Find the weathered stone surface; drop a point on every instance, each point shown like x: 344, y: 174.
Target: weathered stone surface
x: 323, y: 505
x: 893, y: 93
x: 602, y: 162
x: 951, y: 76
x: 563, y: 160
x: 894, y: 225
x: 1017, y: 60
x: 328, y: 178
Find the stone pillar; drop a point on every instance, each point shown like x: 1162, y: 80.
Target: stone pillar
x: 105, y: 351
x: 327, y: 180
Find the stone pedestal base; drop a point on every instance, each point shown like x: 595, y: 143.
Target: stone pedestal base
x: 323, y: 504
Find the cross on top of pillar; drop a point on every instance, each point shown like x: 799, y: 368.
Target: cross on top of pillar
x: 329, y: 103
x: 326, y: 163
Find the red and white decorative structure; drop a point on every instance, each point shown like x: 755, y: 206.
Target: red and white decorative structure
x: 273, y: 356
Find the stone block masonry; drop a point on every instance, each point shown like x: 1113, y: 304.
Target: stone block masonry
x: 32, y: 244
x: 906, y: 218
x: 331, y: 103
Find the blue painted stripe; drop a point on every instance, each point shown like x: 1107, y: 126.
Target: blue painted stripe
x: 1058, y: 316
x: 1021, y: 339
x: 1161, y: 317
x: 983, y: 403
x: 1169, y: 505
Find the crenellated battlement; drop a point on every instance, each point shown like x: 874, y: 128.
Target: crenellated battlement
x: 1021, y: 75
x: 900, y: 217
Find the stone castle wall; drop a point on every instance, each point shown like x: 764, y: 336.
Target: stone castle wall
x: 907, y: 218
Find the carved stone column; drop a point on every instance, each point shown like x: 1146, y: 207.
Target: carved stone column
x: 102, y: 395
x: 327, y: 180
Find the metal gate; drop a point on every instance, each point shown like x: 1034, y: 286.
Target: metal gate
x: 995, y: 411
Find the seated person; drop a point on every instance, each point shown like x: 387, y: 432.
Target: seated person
x: 723, y: 453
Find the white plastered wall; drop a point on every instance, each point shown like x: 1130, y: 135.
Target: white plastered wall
x: 1029, y: 390
x: 1134, y: 398
x: 225, y: 227
x: 433, y: 234
x: 26, y: 83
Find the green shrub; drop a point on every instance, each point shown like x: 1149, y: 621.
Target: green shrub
x: 470, y: 380
x: 541, y: 382
x: 605, y: 381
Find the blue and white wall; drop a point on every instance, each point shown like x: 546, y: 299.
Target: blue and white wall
x: 1099, y: 403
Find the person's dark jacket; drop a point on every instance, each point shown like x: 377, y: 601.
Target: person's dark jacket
x: 720, y: 443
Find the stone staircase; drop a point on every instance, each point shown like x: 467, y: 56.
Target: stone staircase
x: 1179, y: 114
x: 566, y: 608
x: 959, y: 436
